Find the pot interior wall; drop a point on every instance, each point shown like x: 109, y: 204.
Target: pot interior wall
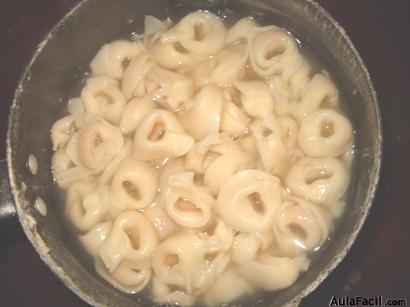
x: 59, y: 70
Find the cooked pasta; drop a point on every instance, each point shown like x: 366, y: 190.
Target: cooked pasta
x: 202, y: 162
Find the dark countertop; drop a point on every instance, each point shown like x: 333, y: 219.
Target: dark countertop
x: 378, y: 263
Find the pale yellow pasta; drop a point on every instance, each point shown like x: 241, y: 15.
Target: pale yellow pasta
x: 273, y: 51
x: 228, y: 287
x: 162, y: 294
x: 289, y: 132
x: 320, y: 92
x: 134, y: 112
x: 133, y: 83
x: 203, y: 164
x: 132, y: 237
x: 273, y: 151
x: 75, y: 107
x: 234, y: 120
x: 189, y: 205
x: 249, y: 200
x: 98, y: 143
x: 325, y: 134
x: 171, y: 168
x: 211, y: 148
x: 133, y: 186
x: 103, y: 97
x: 160, y: 135
x: 281, y: 94
x: 230, y: 65
x: 249, y: 145
x: 273, y: 273
x: 224, y: 166
x: 110, y: 169
x: 161, y: 221
x: 113, y: 58
x: 245, y: 248
x: 240, y: 30
x: 201, y: 33
x: 255, y: 98
x: 172, y: 55
x: 128, y: 276
x: 299, y: 80
x: 86, y: 205
x: 65, y: 172
x: 94, y: 238
x: 217, y: 236
x: 179, y: 260
x: 222, y: 69
x: 173, y: 88
x: 300, y: 226
x: 72, y: 149
x: 61, y: 131
x: 213, y: 267
x: 203, y: 115
x: 319, y: 180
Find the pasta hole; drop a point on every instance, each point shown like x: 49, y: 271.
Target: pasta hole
x: 81, y: 209
x: 198, y: 179
x: 210, y: 256
x: 171, y: 260
x: 157, y: 132
x: 298, y: 231
x: 326, y: 103
x: 326, y: 128
x: 235, y: 96
x: 97, y: 140
x: 132, y: 190
x: 315, y: 175
x: 256, y: 202
x: 266, y: 132
x: 137, y: 271
x: 178, y: 47
x: 200, y: 31
x: 133, y: 235
x: 184, y: 204
x: 101, y: 96
x: 273, y: 52
x: 125, y: 62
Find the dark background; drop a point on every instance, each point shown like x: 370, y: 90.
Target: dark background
x: 379, y: 262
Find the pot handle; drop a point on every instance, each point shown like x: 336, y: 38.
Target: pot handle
x: 7, y: 209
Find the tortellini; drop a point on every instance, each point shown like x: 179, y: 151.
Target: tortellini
x: 273, y: 51
x: 160, y: 135
x: 98, y: 143
x: 86, y: 205
x: 203, y: 115
x: 319, y: 180
x: 133, y: 186
x: 201, y: 163
x: 325, y: 134
x: 188, y: 205
x: 103, y: 97
x: 273, y: 273
x: 300, y: 226
x: 132, y: 237
x: 201, y: 33
x: 113, y: 58
x: 249, y: 200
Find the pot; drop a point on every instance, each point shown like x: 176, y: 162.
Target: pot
x: 56, y: 72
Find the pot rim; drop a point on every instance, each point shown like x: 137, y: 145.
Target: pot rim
x: 29, y: 226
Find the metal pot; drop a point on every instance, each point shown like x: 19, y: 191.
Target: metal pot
x: 58, y: 67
